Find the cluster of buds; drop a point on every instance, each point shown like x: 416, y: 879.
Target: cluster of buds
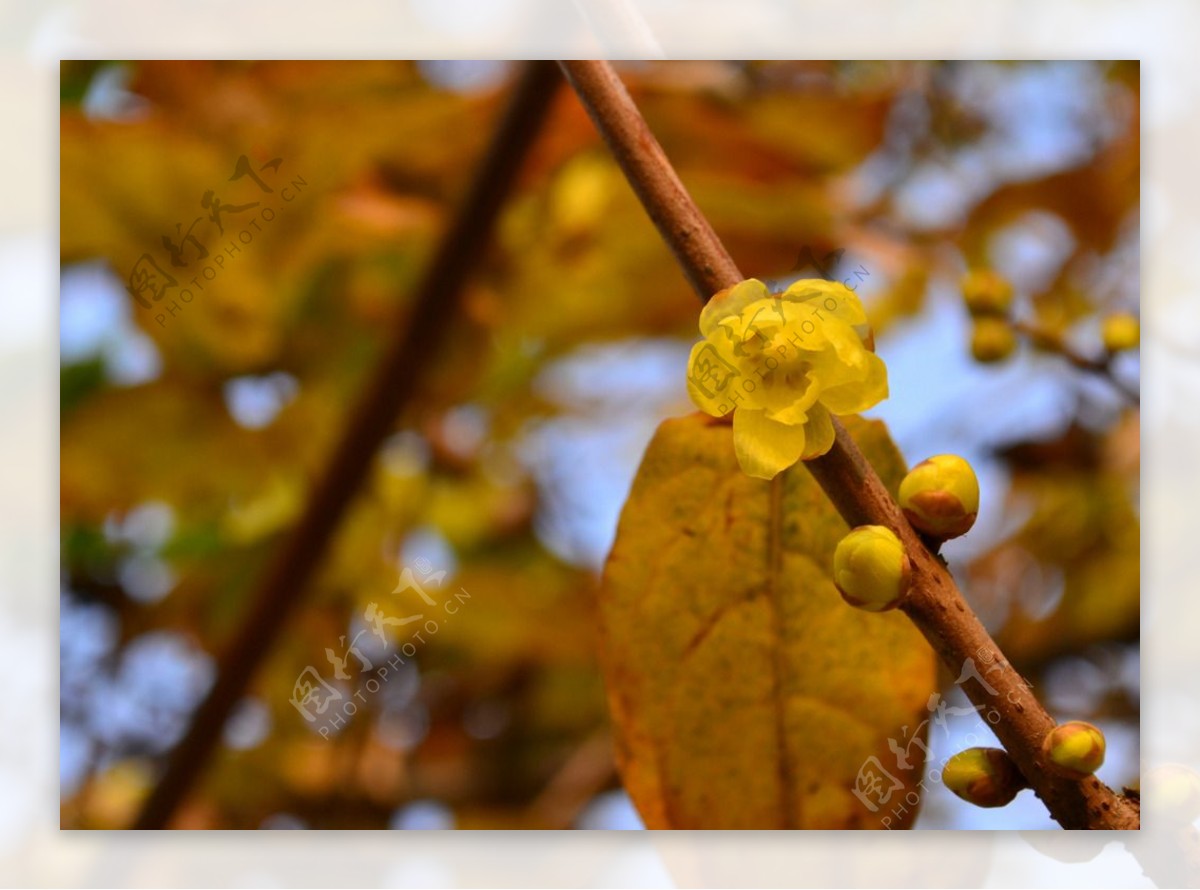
x: 940, y: 497
x: 989, y: 296
x: 988, y: 777
x: 872, y: 571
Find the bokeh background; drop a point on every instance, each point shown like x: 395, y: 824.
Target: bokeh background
x: 189, y: 440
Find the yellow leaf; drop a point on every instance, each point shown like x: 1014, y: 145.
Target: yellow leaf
x: 745, y: 692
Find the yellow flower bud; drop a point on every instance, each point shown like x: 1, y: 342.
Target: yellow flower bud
x: 992, y: 340
x: 871, y: 569
x: 1120, y: 332
x: 986, y: 777
x: 1074, y: 749
x: 986, y: 293
x: 940, y: 496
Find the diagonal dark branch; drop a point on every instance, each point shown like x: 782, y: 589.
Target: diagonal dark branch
x: 934, y: 603
x: 393, y: 386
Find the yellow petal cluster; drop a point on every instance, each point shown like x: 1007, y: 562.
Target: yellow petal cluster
x: 786, y: 362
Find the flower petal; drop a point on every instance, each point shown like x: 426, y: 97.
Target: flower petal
x: 804, y: 329
x: 795, y: 411
x: 710, y: 379
x: 730, y: 302
x: 765, y: 447
x: 851, y: 398
x: 818, y: 433
x: 832, y: 298
x: 845, y: 360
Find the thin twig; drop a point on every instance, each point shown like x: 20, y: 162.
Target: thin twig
x: 934, y: 603
x: 388, y: 392
x: 1049, y: 341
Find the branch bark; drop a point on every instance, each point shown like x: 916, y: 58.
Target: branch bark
x: 392, y: 387
x: 934, y: 603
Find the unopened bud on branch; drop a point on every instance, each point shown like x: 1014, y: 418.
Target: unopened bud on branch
x: 1074, y: 749
x: 986, y: 777
x: 940, y: 496
x: 871, y: 569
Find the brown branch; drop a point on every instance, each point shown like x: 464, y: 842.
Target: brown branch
x: 1049, y: 341
x: 391, y: 388
x: 934, y: 604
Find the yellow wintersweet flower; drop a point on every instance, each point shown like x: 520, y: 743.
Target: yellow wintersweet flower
x: 785, y: 362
